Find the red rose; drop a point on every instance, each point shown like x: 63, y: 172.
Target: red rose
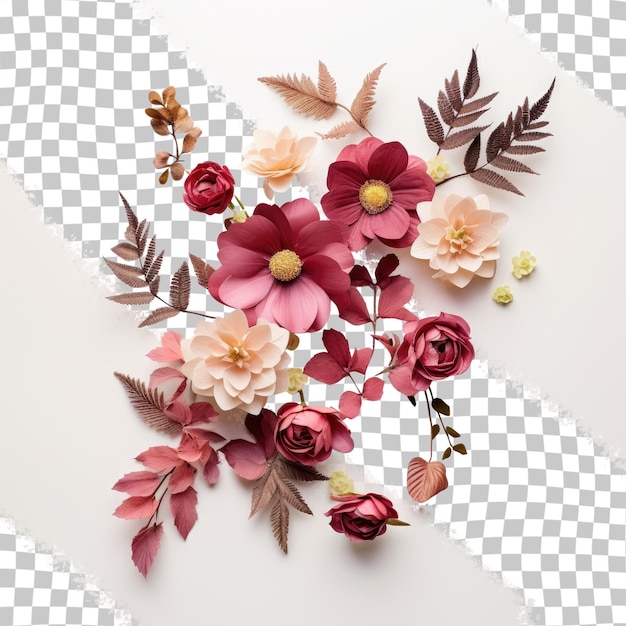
x: 361, y: 517
x: 308, y: 435
x: 433, y: 348
x: 209, y: 188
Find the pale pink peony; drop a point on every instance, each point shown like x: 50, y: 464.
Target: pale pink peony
x: 277, y: 158
x: 460, y: 237
x: 235, y: 364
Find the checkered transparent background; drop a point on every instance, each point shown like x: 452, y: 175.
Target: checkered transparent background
x: 534, y: 500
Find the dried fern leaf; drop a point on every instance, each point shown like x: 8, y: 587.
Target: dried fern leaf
x: 511, y: 165
x: 301, y: 95
x: 472, y: 78
x: 130, y: 215
x: 493, y: 179
x: 180, y: 287
x: 461, y: 137
x: 134, y: 297
x: 149, y: 405
x: 464, y: 120
x: 446, y: 110
x: 479, y: 103
x: 126, y: 251
x: 532, y: 136
x: 364, y: 100
x: 538, y: 109
x: 288, y: 491
x: 279, y: 518
x: 263, y: 491
x: 326, y: 85
x: 128, y: 274
x: 434, y: 129
x: 472, y: 155
x: 536, y: 125
x: 303, y: 473
x: 153, y: 270
x: 498, y: 140
x: 453, y: 89
x: 158, y: 315
x: 150, y: 253
x: 341, y: 130
x: 524, y: 149
x: 203, y: 270
x: 154, y: 285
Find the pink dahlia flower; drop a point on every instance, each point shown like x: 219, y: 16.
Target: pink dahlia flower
x: 237, y: 365
x: 374, y: 188
x: 283, y: 264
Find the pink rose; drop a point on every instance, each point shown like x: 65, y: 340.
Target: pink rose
x: 433, y: 348
x: 308, y: 435
x: 209, y: 188
x: 361, y: 517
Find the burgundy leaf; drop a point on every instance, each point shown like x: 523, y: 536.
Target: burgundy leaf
x: 360, y: 360
x: 337, y: 346
x: 385, y: 267
x: 140, y: 483
x: 525, y: 149
x: 493, y: 179
x: 352, y: 307
x: 461, y: 137
x: 202, y: 269
x: 145, y: 546
x: 538, y: 109
x: 360, y: 276
x: 479, y: 103
x: 180, y: 288
x: 453, y: 89
x: 159, y: 458
x: 247, y: 459
x: 184, y: 510
x: 434, y: 129
x: 373, y: 389
x: 203, y: 412
x: 211, y: 470
x: 472, y: 155
x: 533, y: 136
x: 350, y: 404
x: 324, y: 368
x: 137, y: 507
x: 511, y: 165
x: 472, y: 78
x: 179, y: 411
x: 446, y: 110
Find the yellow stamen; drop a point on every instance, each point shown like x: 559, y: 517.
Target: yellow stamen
x: 459, y: 239
x: 375, y: 196
x: 285, y: 265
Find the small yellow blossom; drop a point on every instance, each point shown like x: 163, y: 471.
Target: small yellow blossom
x: 523, y: 264
x: 438, y: 168
x: 502, y: 294
x: 239, y: 215
x: 340, y: 484
x: 297, y: 379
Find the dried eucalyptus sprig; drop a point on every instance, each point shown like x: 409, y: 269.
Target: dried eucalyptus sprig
x: 146, y: 274
x: 320, y: 101
x: 171, y: 118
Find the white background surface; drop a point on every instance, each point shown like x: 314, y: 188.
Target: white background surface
x: 69, y: 432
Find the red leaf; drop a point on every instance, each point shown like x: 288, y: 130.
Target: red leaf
x: 247, y: 459
x: 138, y: 483
x: 352, y: 307
x: 203, y: 412
x: 425, y: 479
x: 182, y: 478
x: 137, y: 507
x: 397, y: 292
x: 337, y: 346
x: 145, y: 547
x: 211, y: 470
x: 350, y: 403
x: 163, y: 374
x: 360, y: 277
x: 159, y: 458
x: 385, y: 266
x: 169, y: 350
x: 360, y: 360
x: 179, y: 411
x: 324, y: 368
x: 183, y: 506
x: 373, y: 389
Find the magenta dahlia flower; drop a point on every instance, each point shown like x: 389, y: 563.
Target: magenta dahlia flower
x: 283, y: 264
x: 374, y: 188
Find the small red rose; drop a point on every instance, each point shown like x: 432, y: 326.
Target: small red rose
x: 361, y: 517
x: 209, y: 188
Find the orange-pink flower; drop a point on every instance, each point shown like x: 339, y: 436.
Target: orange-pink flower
x: 459, y: 236
x: 235, y: 364
x: 277, y: 158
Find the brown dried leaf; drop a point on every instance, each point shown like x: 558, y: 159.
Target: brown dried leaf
x: 434, y: 129
x: 149, y: 405
x: 532, y: 136
x: 153, y: 270
x: 177, y: 170
x: 180, y: 287
x: 133, y: 297
x: 169, y: 95
x: 165, y: 174
x: 263, y: 491
x: 341, y: 130
x: 141, y: 234
x: 453, y: 89
x: 160, y: 115
x: 326, y: 85
x: 303, y: 473
x: 203, y: 270
x: 154, y: 285
x: 279, y: 517
x: 445, y: 109
x: 536, y: 125
x: 464, y: 120
x: 498, y: 140
x: 472, y: 155
x: 425, y: 479
x: 191, y: 138
x: 126, y: 251
x: 493, y: 179
x: 472, y: 78
x: 364, y: 100
x: 525, y: 149
x: 161, y: 159
x: 479, y: 103
x: 128, y: 274
x: 158, y: 315
x: 155, y: 98
x: 160, y: 127
x: 184, y: 123
x: 131, y: 218
x: 129, y: 234
x: 538, y: 109
x: 149, y: 255
x: 461, y: 137
x: 511, y: 165
x: 288, y: 491
x: 301, y: 95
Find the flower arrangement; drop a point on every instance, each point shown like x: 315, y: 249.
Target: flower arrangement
x: 283, y: 270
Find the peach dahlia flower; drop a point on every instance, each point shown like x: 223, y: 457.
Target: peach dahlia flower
x: 237, y: 365
x: 459, y: 236
x: 277, y: 158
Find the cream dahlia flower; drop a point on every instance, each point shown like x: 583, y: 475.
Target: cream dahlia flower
x: 459, y: 236
x: 235, y: 364
x: 277, y: 158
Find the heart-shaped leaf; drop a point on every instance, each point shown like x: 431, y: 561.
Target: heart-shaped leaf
x: 425, y: 479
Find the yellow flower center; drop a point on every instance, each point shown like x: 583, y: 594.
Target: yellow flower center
x: 459, y: 239
x: 237, y: 354
x: 285, y: 265
x: 375, y: 196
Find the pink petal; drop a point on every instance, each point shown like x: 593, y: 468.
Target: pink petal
x: 169, y: 350
x: 342, y: 205
x: 203, y: 412
x: 240, y: 293
x: 137, y: 507
x: 373, y: 389
x: 388, y: 161
x: 325, y: 272
x: 247, y: 459
x: 300, y: 213
x: 394, y: 296
x: 342, y: 439
x: 145, y: 546
x: 140, y: 483
x: 350, y: 403
x: 391, y: 224
x: 183, y: 506
x: 179, y: 411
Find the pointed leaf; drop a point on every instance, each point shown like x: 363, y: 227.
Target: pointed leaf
x: 532, y: 136
x: 434, y: 431
x: 446, y: 110
x: 170, y: 348
x: 142, y: 483
x: 511, y: 165
x: 263, y: 491
x: 128, y: 274
x: 301, y: 95
x: 472, y: 78
x: 326, y: 85
x: 288, y: 492
x: 434, y: 129
x: 151, y: 273
x: 279, y: 518
x: 203, y: 270
x: 460, y: 448
x: 158, y: 315
x: 479, y: 103
x: 452, y: 432
x: 464, y: 120
x: 341, y: 130
x: 159, y: 458
x: 165, y: 174
x: 364, y: 100
x: 524, y: 149
x: 324, y: 368
x: 127, y: 251
x: 472, y: 155
x: 424, y: 479
x: 461, y: 137
x: 385, y: 267
x: 184, y: 510
x: 538, y: 109
x: 137, y: 507
x: 493, y: 179
x: 145, y: 546
x: 453, y: 90
x: 498, y: 140
x: 303, y: 473
x: 180, y: 288
x: 133, y: 297
x: 446, y: 453
x: 440, y: 406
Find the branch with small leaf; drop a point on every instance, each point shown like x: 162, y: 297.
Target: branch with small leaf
x: 320, y: 100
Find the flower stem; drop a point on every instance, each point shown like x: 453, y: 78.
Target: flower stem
x: 345, y: 108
